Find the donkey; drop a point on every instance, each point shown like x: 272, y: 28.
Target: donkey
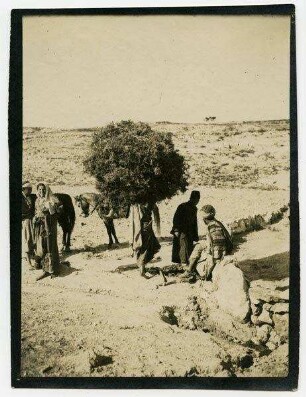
x: 90, y: 202
x: 65, y: 218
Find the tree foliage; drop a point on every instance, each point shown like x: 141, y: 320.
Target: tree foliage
x: 134, y: 164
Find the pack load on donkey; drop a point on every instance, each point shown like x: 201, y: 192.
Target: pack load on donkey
x: 91, y: 202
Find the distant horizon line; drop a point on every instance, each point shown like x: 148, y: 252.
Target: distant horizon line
x: 160, y: 122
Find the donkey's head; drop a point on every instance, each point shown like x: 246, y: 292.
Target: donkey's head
x: 83, y: 204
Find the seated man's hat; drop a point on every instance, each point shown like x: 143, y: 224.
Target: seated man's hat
x: 208, y: 211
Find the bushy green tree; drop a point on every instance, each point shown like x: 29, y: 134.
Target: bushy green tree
x: 134, y: 164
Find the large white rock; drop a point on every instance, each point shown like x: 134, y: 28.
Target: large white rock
x: 231, y: 289
x: 280, y: 308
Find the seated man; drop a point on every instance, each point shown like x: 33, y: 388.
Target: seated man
x: 218, y: 243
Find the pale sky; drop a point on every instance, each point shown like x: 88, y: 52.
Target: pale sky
x: 85, y: 71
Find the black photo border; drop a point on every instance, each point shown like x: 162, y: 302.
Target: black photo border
x: 15, y: 166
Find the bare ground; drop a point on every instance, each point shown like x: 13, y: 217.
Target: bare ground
x: 92, y: 307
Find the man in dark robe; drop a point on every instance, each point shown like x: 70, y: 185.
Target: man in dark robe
x: 185, y: 229
x: 28, y: 209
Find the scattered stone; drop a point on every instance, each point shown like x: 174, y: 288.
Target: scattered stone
x: 271, y: 346
x: 257, y: 222
x: 265, y: 318
x: 274, y: 338
x: 267, y: 294
x: 225, y: 326
x: 254, y: 320
x: 281, y: 325
x: 192, y: 372
x: 191, y: 317
x: 47, y: 369
x: 271, y: 285
x: 124, y: 268
x: 246, y: 361
x: 170, y: 270
x: 256, y: 307
x: 262, y: 334
x: 280, y: 308
x: 266, y: 306
x: 238, y: 227
x: 98, y: 358
x: 167, y: 314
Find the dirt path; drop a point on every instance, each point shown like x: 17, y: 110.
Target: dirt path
x: 92, y: 307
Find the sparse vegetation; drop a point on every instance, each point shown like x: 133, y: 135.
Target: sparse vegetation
x: 65, y: 151
x: 133, y: 164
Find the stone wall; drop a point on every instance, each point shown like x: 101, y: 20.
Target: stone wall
x: 257, y: 221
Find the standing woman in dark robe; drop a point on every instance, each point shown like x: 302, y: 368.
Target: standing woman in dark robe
x: 185, y: 229
x: 143, y: 240
x: 45, y: 231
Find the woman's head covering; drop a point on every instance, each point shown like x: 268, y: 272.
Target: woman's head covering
x: 49, y: 195
x: 48, y: 201
x: 208, y: 211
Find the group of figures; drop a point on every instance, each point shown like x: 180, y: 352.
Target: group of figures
x: 42, y: 212
x: 39, y: 229
x: 186, y: 247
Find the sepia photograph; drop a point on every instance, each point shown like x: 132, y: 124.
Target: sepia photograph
x: 156, y: 197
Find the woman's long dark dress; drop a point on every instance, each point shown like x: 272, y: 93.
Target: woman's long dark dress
x: 45, y: 237
x: 150, y: 245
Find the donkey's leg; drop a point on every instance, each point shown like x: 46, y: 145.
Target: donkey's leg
x: 109, y: 232
x: 113, y: 231
x: 63, y: 248
x: 68, y: 242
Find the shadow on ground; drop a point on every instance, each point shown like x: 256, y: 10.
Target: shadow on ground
x: 65, y: 269
x: 96, y: 250
x: 274, y: 267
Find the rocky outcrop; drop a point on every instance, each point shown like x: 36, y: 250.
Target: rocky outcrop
x: 275, y: 291
x: 270, y: 307
x: 203, y: 313
x: 253, y: 314
x: 257, y: 221
x: 211, y: 312
x: 231, y: 289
